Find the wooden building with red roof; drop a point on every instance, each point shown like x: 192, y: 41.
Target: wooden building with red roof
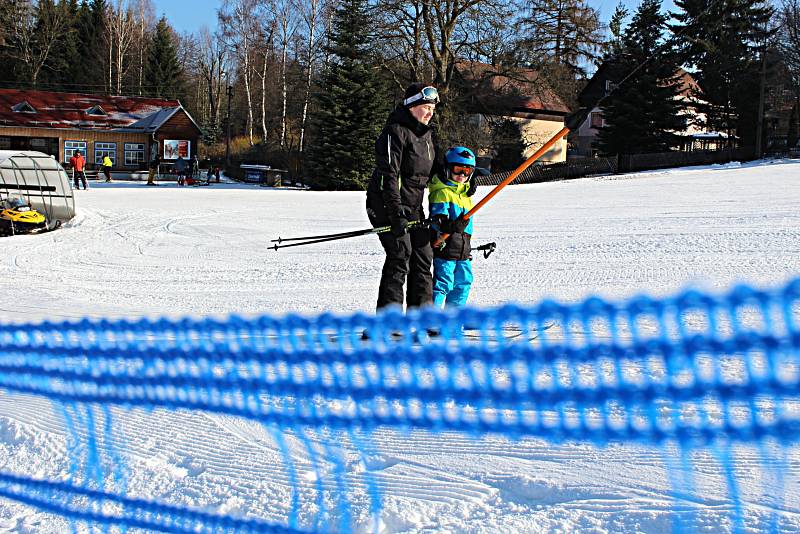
x: 129, y: 129
x: 519, y: 94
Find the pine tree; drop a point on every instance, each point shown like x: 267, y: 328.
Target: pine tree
x: 644, y: 112
x: 64, y: 58
x: 614, y: 45
x: 721, y: 40
x: 509, y: 146
x: 351, y: 105
x: 88, y: 66
x: 163, y: 75
x: 9, y: 67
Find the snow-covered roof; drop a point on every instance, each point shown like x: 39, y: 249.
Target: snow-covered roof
x: 72, y: 110
x: 152, y: 122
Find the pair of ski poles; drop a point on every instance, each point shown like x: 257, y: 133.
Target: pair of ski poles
x: 487, y: 249
x: 311, y: 239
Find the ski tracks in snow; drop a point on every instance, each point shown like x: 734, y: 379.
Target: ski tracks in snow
x: 156, y: 251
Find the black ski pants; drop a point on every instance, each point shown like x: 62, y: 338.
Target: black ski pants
x: 408, y: 261
x: 77, y: 177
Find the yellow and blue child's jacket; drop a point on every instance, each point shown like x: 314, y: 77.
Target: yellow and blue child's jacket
x: 450, y: 198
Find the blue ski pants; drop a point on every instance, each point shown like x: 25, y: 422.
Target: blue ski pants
x: 452, y: 280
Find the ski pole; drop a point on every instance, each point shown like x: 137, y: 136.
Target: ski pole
x: 352, y: 233
x: 511, y: 177
x: 310, y: 240
x: 487, y: 249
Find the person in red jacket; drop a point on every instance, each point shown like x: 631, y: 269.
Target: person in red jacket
x: 78, y: 163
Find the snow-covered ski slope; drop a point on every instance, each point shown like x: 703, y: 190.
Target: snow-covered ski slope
x: 139, y: 251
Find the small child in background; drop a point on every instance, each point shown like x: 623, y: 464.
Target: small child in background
x: 450, y: 198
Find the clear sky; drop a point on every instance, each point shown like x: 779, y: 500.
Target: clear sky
x: 190, y: 15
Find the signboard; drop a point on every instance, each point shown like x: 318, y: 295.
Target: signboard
x: 176, y: 147
x: 254, y: 176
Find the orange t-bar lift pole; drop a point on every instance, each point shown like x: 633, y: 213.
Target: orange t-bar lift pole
x: 511, y: 177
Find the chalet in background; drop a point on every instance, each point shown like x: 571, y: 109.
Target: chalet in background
x: 521, y: 95
x: 605, y: 79
x: 128, y: 129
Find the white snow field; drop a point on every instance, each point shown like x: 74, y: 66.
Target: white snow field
x: 136, y: 251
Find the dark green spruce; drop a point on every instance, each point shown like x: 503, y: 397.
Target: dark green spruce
x: 721, y: 40
x: 351, y: 105
x: 644, y: 114
x: 163, y: 76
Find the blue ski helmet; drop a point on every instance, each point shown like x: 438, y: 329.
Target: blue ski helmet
x: 459, y: 155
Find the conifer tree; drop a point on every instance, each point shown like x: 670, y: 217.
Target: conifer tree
x: 88, y: 68
x: 9, y: 68
x: 721, y: 40
x: 64, y: 58
x: 614, y: 45
x: 643, y: 113
x: 163, y: 75
x: 351, y: 105
x: 509, y: 146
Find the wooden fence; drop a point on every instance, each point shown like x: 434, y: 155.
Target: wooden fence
x: 626, y: 163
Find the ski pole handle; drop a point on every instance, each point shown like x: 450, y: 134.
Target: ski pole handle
x: 487, y: 249
x: 511, y: 177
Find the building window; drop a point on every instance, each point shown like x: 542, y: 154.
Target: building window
x: 597, y: 120
x: 102, y: 150
x: 71, y: 146
x: 610, y: 86
x: 134, y: 154
x: 97, y: 111
x: 5, y: 143
x: 23, y: 107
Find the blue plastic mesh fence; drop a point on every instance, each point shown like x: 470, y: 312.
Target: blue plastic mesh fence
x: 691, y: 371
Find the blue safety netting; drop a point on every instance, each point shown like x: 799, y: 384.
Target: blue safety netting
x: 691, y: 371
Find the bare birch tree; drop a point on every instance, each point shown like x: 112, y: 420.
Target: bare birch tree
x: 238, y: 20
x: 211, y: 66
x: 33, y: 34
x: 121, y: 30
x: 266, y: 52
x: 286, y: 22
x: 145, y: 15
x: 313, y: 14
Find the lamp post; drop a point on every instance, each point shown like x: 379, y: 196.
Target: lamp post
x: 229, y: 93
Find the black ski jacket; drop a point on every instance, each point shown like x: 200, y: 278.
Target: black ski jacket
x: 405, y: 155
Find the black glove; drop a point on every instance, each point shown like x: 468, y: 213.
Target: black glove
x: 449, y: 226
x: 399, y: 226
x: 473, y: 186
x: 577, y: 118
x: 406, y: 212
x: 459, y: 225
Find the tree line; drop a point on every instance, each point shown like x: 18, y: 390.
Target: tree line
x: 310, y: 82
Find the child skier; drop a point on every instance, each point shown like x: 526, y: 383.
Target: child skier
x: 449, y: 198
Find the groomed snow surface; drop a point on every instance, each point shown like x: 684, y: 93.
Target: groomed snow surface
x: 137, y: 251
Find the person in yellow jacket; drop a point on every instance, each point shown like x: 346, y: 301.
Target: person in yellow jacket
x: 107, y: 164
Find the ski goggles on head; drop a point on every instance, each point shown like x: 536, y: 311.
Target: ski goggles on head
x: 428, y: 95
x: 462, y: 169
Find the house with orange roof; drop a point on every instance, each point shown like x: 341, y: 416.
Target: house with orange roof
x: 603, y: 82
x: 521, y: 95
